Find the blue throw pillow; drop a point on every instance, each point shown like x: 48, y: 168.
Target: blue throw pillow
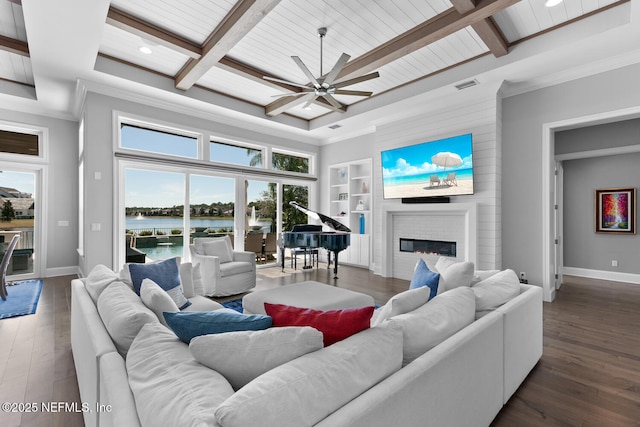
x: 425, y: 277
x: 166, y: 274
x: 187, y: 325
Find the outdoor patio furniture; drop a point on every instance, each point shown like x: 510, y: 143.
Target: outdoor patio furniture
x: 5, y: 264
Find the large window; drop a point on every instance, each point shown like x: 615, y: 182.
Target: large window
x: 154, y: 214
x: 166, y: 202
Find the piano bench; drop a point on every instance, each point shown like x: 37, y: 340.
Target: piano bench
x: 315, y: 295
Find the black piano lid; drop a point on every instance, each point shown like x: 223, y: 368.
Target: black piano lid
x: 329, y: 222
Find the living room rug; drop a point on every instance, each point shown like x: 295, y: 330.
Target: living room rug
x: 234, y: 304
x: 22, y: 299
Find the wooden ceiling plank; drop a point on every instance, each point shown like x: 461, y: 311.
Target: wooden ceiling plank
x: 486, y: 29
x: 430, y: 31
x: 240, y: 68
x: 422, y: 35
x: 245, y: 15
x: 14, y: 46
x: 283, y: 104
x: 152, y: 33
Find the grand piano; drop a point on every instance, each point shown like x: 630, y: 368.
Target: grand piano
x: 312, y: 237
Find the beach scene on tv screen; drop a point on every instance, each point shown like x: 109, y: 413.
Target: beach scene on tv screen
x: 436, y: 168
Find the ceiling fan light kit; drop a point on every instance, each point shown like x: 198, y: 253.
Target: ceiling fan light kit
x: 324, y: 86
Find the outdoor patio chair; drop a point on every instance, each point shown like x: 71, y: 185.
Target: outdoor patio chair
x: 5, y: 265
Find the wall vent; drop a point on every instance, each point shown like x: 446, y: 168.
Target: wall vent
x: 335, y: 126
x: 465, y: 85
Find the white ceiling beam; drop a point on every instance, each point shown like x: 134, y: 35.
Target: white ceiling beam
x: 245, y: 15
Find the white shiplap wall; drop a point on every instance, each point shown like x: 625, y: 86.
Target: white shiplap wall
x: 479, y: 117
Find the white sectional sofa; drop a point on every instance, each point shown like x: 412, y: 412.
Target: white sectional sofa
x: 462, y: 381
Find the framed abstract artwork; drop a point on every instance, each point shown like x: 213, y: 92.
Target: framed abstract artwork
x: 615, y: 210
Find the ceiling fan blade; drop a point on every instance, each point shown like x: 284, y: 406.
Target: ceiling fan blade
x: 273, y: 79
x: 336, y: 69
x: 357, y: 80
x: 308, y: 104
x: 306, y: 71
x: 352, y: 92
x: 333, y: 102
x: 290, y: 94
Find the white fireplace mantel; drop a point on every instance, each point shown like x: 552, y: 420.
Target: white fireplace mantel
x: 468, y: 212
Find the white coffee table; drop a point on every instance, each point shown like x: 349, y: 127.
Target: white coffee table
x: 311, y: 294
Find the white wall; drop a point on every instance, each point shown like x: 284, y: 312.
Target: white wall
x: 100, y: 197
x: 62, y: 196
x: 477, y: 116
x: 524, y: 117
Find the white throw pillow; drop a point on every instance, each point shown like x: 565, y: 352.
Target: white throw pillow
x: 123, y: 314
x: 307, y: 389
x: 186, y: 270
x: 156, y: 299
x: 170, y: 388
x: 496, y: 290
x: 434, y: 322
x: 220, y: 249
x: 242, y: 356
x: 453, y: 273
x: 98, y: 279
x: 480, y: 275
x: 401, y: 303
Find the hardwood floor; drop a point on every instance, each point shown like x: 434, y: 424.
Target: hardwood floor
x: 589, y: 374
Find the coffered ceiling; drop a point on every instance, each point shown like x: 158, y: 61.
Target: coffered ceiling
x: 211, y: 56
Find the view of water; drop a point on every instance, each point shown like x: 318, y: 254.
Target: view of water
x: 168, y: 223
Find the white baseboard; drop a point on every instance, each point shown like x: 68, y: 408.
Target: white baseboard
x: 61, y: 271
x: 603, y: 275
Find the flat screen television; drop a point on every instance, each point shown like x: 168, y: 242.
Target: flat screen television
x: 429, y: 169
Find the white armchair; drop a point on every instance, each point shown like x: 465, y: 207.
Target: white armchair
x: 223, y: 270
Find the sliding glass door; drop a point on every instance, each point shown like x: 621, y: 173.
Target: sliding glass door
x: 19, y: 217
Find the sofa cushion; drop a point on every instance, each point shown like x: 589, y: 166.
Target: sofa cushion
x: 187, y: 325
x: 423, y: 276
x: 170, y: 388
x: 123, y: 314
x: 335, y: 325
x: 435, y: 321
x: 200, y: 303
x: 307, y: 389
x: 199, y: 243
x: 480, y: 275
x: 454, y: 273
x: 156, y: 299
x: 98, y: 279
x: 401, y: 303
x: 243, y: 356
x: 165, y: 274
x: 495, y: 290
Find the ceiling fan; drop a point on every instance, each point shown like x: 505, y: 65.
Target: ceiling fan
x: 324, y: 86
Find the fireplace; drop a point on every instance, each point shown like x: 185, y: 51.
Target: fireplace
x: 428, y: 247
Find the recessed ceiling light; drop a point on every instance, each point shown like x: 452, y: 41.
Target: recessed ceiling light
x: 551, y: 3
x: 145, y: 49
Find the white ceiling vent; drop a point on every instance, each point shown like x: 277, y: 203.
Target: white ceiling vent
x: 465, y: 85
x: 336, y: 126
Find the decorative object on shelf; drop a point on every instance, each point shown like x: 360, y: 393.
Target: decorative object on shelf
x: 343, y: 196
x: 364, y: 188
x: 615, y: 210
x: 342, y: 175
x: 361, y: 223
x: 360, y: 206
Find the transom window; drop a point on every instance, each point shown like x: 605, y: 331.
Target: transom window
x: 158, y: 141
x: 289, y: 162
x: 224, y: 152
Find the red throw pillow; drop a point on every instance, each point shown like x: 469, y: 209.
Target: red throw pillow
x: 335, y: 325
